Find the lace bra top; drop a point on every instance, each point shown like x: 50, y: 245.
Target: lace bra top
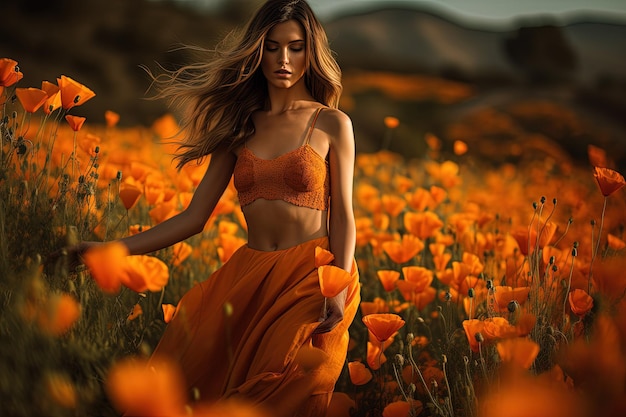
x: 300, y: 177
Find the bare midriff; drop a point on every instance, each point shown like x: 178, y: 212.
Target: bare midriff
x: 277, y: 225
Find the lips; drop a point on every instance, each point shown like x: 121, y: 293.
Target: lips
x: 282, y: 72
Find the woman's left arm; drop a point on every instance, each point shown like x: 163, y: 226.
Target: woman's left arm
x: 341, y: 226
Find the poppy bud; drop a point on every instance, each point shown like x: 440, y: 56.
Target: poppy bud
x: 411, y: 389
x: 97, y: 150
x: 489, y: 284
x: 76, y: 99
x: 479, y: 337
x: 554, y: 268
x: 512, y: 306
x: 399, y: 359
x: 554, y: 201
x: 574, y: 252
x: 444, y: 359
x: 119, y: 176
x: 410, y: 337
x: 448, y: 296
x: 543, y: 199
x: 470, y: 293
x: 552, y: 259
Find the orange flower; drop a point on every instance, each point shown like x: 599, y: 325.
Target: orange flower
x: 107, y: 265
x: 580, y: 302
x: 333, y: 280
x: 75, y: 122
x: 498, y: 328
x: 168, y: 312
x: 323, y: 256
x: 597, y: 156
x: 359, y: 374
x: 503, y: 295
x: 520, y: 351
x: 228, y: 245
x: 181, y: 251
x: 136, y: 387
x: 459, y: 147
x: 375, y: 356
x: 53, y: 101
x: 383, y: 325
x: 391, y: 122
x: 420, y: 199
x: 423, y: 224
x: 474, y: 332
x: 73, y: 93
x: 111, y: 118
x: 393, y: 204
x: 397, y: 409
x: 146, y: 273
x: 615, y: 242
x: 61, y: 313
x: 418, y: 275
x: 137, y: 311
x: 388, y: 278
x: 129, y: 194
x: 405, y: 250
x: 371, y: 307
x: 9, y: 72
x: 31, y: 98
x: 609, y: 180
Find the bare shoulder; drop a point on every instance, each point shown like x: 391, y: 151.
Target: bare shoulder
x: 336, y: 124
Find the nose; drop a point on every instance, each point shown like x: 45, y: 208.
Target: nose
x: 283, y: 56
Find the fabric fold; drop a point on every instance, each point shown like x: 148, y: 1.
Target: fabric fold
x: 251, y: 353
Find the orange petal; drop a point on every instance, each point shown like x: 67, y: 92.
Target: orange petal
x: 323, y: 256
x: 146, y: 273
x: 383, y: 325
x: 31, y: 98
x: 359, y: 374
x: 520, y: 351
x: 333, y: 280
x: 129, y: 194
x: 168, y: 312
x: 107, y: 265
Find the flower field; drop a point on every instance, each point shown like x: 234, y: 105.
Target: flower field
x: 487, y: 289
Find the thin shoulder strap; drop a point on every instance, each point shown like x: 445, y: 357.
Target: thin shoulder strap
x: 310, y: 132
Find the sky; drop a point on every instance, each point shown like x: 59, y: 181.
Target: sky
x: 480, y: 11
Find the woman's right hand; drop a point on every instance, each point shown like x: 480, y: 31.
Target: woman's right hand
x: 72, y: 255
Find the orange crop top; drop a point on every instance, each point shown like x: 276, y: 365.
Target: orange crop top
x: 300, y: 177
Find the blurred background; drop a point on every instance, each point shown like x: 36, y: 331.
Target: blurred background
x: 513, y: 80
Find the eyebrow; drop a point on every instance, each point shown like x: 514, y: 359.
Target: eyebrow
x: 290, y: 42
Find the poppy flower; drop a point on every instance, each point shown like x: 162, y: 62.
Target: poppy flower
x: 168, y: 312
x: 137, y: 387
x: 107, y: 265
x: 459, y: 147
x: 383, y: 325
x: 61, y: 313
x: 420, y: 199
x: 323, y: 256
x: 53, y: 101
x: 473, y: 330
x: 423, y: 224
x: 580, y: 302
x: 111, y: 118
x: 333, y: 280
x: 405, y: 250
x: 129, y: 194
x: 228, y: 246
x: 73, y: 93
x: 391, y: 122
x: 608, y: 180
x: 31, y: 98
x: 397, y: 409
x: 146, y: 273
x: 136, y: 312
x: 615, y: 242
x: 375, y: 356
x: 503, y: 295
x: 419, y: 275
x: 181, y: 251
x: 9, y: 72
x: 371, y: 307
x: 75, y: 122
x: 388, y: 278
x: 520, y: 351
x: 392, y: 204
x: 495, y: 328
x: 359, y: 374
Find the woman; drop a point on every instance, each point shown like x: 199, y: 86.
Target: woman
x: 265, y: 110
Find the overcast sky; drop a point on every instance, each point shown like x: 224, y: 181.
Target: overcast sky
x: 491, y: 10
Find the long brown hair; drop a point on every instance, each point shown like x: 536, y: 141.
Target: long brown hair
x: 220, y: 93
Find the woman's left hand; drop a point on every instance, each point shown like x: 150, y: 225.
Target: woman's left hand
x: 332, y: 313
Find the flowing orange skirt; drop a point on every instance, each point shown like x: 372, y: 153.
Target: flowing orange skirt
x: 235, y: 335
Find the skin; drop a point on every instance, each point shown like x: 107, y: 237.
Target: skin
x: 279, y: 129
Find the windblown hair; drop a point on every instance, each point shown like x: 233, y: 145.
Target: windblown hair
x: 220, y: 94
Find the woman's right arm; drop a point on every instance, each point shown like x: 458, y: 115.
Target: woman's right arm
x: 193, y: 219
